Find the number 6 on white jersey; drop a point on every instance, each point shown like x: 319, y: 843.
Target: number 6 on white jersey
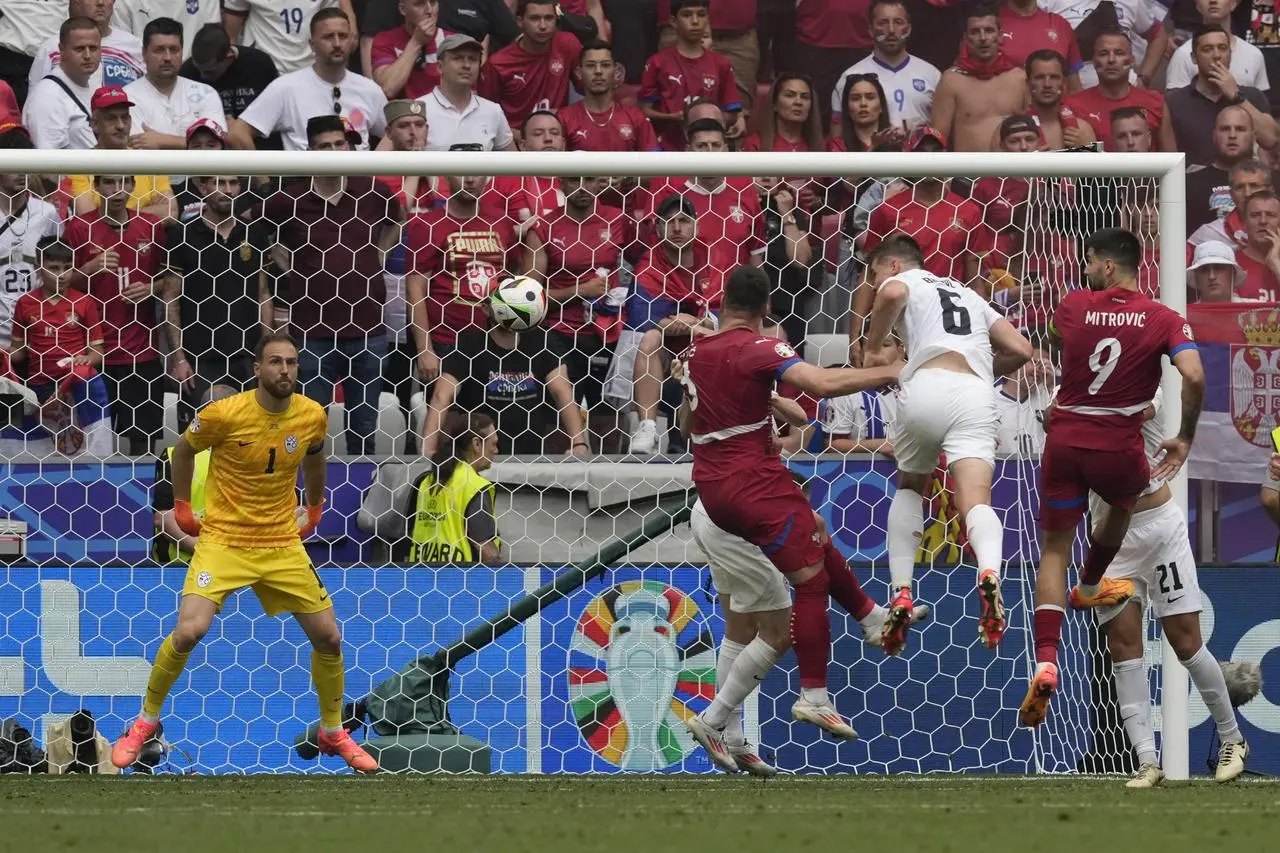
x: 1102, y: 361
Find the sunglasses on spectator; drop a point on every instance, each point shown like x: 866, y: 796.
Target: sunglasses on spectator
x: 466, y: 146
x: 337, y: 100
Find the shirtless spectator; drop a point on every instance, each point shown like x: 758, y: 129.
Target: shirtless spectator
x: 1113, y: 60
x: 1059, y: 126
x: 982, y: 87
x: 1246, y: 178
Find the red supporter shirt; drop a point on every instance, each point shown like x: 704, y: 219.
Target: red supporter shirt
x: 1259, y: 284
x: 578, y: 252
x: 730, y: 378
x: 730, y: 225
x: 126, y: 326
x: 425, y: 76
x: 527, y: 197
x: 524, y: 82
x: 780, y: 143
x: 729, y: 15
x: 1112, y: 344
x: 1023, y: 35
x: 833, y: 23
x: 55, y: 328
x: 672, y: 80
x: 462, y: 262
x: 946, y: 231
x: 1094, y: 107
x: 620, y: 128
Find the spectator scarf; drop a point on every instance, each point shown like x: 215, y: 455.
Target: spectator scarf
x: 966, y: 64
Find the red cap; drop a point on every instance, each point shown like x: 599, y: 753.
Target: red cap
x: 109, y: 96
x: 9, y: 124
x: 209, y: 125
x: 921, y: 133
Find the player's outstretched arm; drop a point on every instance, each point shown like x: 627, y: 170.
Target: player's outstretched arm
x: 839, y: 381
x: 891, y: 298
x: 1012, y: 349
x: 1176, y: 449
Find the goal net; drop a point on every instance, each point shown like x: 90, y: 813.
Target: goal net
x: 379, y: 264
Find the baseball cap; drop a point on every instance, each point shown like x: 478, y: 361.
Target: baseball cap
x: 1216, y: 252
x: 13, y: 124
x: 1018, y: 124
x: 326, y: 123
x: 921, y: 133
x: 401, y: 107
x: 455, y: 41
x: 673, y: 204
x: 109, y: 96
x: 208, y: 124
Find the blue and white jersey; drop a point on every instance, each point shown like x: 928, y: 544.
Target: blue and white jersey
x: 909, y: 86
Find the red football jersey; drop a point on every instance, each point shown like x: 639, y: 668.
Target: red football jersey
x: 729, y: 380
x: 425, y: 76
x: 780, y: 143
x: 730, y: 224
x: 580, y: 251
x: 672, y: 80
x: 127, y: 326
x: 463, y: 262
x: 1259, y: 283
x: 833, y: 23
x: 1023, y: 35
x: 619, y: 128
x: 946, y: 231
x: 524, y: 82
x: 1096, y: 108
x: 54, y: 329
x: 1112, y: 344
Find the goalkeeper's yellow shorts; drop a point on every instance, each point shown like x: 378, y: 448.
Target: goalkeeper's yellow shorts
x: 284, y: 579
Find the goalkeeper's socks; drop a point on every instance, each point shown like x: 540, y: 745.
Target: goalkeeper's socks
x: 811, y: 630
x: 1048, y: 632
x: 844, y: 585
x: 168, y: 666
x: 326, y: 673
x: 905, y: 527
x: 986, y: 537
x: 1096, y: 563
x: 749, y: 669
x: 1134, y: 698
x: 729, y: 651
x: 1206, y: 675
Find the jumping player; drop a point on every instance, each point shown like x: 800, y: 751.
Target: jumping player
x: 251, y: 535
x: 956, y: 345
x: 1113, y: 340
x: 729, y: 379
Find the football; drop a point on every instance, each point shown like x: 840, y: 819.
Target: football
x: 518, y: 304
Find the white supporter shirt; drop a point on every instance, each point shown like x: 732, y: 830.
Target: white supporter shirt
x: 18, y: 240
x: 942, y: 315
x: 908, y: 86
x: 121, y: 60
x: 1247, y: 66
x: 280, y: 28
x: 481, y: 121
x: 1020, y: 425
x: 860, y: 416
x: 1152, y: 437
x: 26, y: 24
x: 134, y: 15
x: 293, y: 99
x: 55, y: 120
x: 189, y: 102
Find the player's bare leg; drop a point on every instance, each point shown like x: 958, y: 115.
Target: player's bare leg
x: 1094, y: 589
x: 195, y: 615
x: 321, y: 629
x: 1051, y: 600
x: 811, y: 638
x: 971, y: 480
x: 905, y: 527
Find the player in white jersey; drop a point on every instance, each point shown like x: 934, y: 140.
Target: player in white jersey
x: 26, y: 221
x: 1156, y: 555
x: 946, y: 405
x: 279, y: 28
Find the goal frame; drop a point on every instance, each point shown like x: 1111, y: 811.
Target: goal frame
x: 1168, y: 168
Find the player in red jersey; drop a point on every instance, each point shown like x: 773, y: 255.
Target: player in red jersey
x: 531, y: 73
x: 403, y: 60
x: 1113, y: 341
x: 680, y: 74
x: 746, y: 490
x: 598, y: 122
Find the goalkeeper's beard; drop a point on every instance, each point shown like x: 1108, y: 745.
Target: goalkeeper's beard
x: 281, y: 389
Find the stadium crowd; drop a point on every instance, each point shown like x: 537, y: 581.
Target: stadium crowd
x: 117, y: 289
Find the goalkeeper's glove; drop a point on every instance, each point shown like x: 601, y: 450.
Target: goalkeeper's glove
x: 312, y: 520
x: 186, y: 519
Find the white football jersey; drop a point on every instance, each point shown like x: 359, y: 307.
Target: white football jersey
x: 134, y: 15
x: 908, y: 86
x: 1020, y: 428
x: 860, y: 416
x: 18, y: 240
x: 280, y: 28
x: 942, y: 315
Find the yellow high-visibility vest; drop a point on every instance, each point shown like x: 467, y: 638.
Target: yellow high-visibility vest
x: 440, y: 521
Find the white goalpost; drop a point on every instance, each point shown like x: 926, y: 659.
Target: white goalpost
x: 506, y: 694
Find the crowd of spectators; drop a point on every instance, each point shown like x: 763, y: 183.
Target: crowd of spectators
x: 383, y: 281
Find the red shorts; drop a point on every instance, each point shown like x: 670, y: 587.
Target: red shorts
x: 769, y: 511
x: 1068, y: 474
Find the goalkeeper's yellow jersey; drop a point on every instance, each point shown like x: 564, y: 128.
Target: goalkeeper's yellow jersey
x: 254, y: 467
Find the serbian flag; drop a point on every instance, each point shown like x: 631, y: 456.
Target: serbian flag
x: 1240, y: 347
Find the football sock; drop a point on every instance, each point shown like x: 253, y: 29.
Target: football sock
x: 811, y: 631
x: 752, y: 665
x: 1135, y: 708
x: 844, y: 585
x: 986, y: 536
x: 326, y: 674
x: 729, y: 651
x: 168, y: 666
x: 1048, y: 632
x: 1096, y: 564
x: 1206, y: 675
x: 906, y: 526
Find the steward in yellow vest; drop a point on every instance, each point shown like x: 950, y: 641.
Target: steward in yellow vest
x: 452, y: 521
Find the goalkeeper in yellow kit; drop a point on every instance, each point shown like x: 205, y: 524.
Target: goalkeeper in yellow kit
x: 251, y: 536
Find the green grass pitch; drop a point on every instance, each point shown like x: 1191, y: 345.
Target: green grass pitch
x: 390, y: 814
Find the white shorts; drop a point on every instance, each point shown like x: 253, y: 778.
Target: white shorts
x: 739, y: 569
x: 1156, y: 556
x: 941, y: 411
